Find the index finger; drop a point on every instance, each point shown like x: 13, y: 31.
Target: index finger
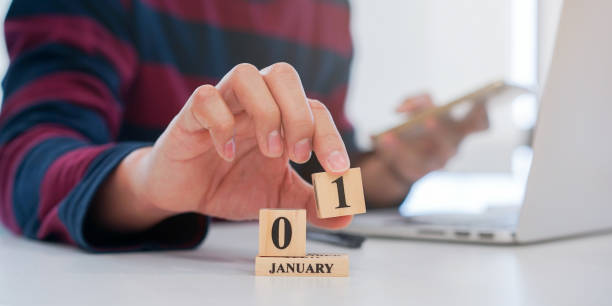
x: 327, y: 143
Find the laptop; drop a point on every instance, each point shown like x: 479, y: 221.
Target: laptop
x: 566, y: 186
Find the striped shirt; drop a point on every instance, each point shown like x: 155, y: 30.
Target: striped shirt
x: 90, y: 81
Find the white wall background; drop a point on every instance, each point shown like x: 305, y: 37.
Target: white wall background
x: 406, y: 47
x: 447, y: 48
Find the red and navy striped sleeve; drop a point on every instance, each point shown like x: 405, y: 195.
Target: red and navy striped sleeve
x: 70, y: 64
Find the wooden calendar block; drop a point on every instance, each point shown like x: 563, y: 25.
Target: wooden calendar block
x: 321, y: 265
x: 282, y: 232
x: 339, y: 195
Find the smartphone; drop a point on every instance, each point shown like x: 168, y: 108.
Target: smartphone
x: 461, y: 105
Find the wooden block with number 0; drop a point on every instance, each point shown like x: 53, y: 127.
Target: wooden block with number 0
x: 282, y: 232
x: 339, y: 195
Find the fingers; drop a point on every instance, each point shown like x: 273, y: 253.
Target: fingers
x: 405, y: 157
x: 285, y: 120
x: 445, y: 147
x: 244, y: 88
x: 209, y: 111
x: 415, y: 157
x: 476, y: 120
x: 297, y: 119
x: 327, y: 143
x: 276, y: 101
x: 415, y: 104
x: 203, y: 122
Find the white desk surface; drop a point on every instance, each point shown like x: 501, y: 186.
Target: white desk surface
x: 383, y: 272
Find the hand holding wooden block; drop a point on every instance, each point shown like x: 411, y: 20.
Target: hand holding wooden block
x: 282, y: 232
x: 339, y: 195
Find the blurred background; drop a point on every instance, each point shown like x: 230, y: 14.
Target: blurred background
x: 445, y: 48
x: 448, y: 48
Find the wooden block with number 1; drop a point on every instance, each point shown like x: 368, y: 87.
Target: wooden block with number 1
x: 282, y: 232
x: 339, y: 195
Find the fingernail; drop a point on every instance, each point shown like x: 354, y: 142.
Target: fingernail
x: 229, y: 149
x: 338, y: 162
x: 302, y: 150
x: 275, y: 144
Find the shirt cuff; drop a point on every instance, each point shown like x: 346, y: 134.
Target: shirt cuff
x: 183, y: 231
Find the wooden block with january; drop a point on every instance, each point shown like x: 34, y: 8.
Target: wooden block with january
x: 339, y: 195
x: 282, y: 232
x: 320, y: 265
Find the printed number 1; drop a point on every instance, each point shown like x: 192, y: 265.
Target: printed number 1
x: 341, y: 199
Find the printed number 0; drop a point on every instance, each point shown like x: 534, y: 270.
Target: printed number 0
x: 276, y: 233
x: 341, y: 199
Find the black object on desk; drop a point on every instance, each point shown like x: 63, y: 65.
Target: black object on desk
x: 336, y: 238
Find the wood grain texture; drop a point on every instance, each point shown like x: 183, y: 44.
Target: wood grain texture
x: 282, y: 232
x: 313, y: 265
x: 329, y: 201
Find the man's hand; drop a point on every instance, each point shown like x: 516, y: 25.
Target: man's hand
x: 226, y: 154
x: 402, y: 158
x: 416, y: 153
